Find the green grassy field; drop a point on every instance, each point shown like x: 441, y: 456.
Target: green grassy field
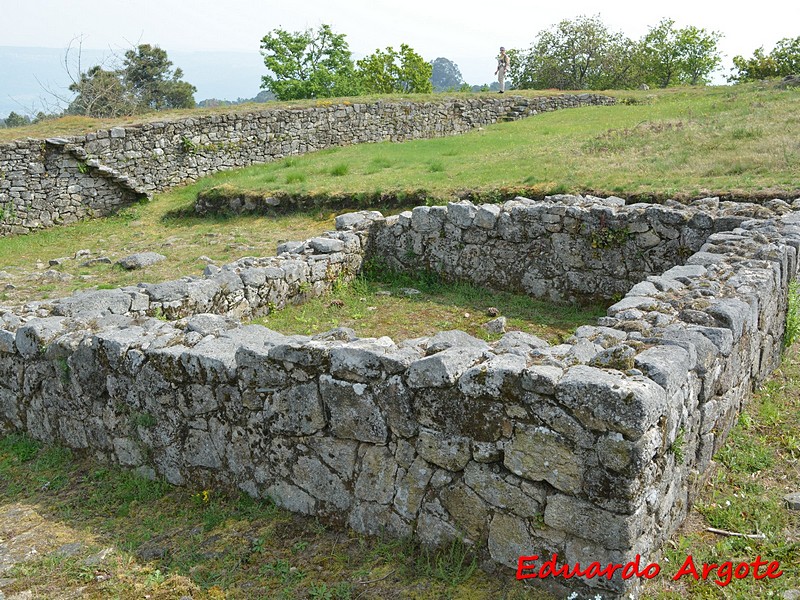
x: 169, y: 543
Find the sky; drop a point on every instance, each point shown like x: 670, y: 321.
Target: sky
x: 465, y: 31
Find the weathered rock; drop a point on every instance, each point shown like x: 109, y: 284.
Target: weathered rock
x: 140, y: 260
x: 453, y: 339
x: 443, y: 368
x: 94, y: 304
x: 538, y: 454
x: 447, y: 451
x: 353, y: 411
x: 497, y: 325
x: 326, y: 245
x: 602, y: 399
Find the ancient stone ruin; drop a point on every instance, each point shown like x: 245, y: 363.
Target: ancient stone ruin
x: 61, y: 180
x: 592, y: 449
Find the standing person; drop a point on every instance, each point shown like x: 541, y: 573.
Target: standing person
x: 503, y: 63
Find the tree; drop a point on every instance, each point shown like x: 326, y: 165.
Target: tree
x: 700, y: 55
x: 144, y: 81
x: 403, y: 72
x: 671, y: 56
x: 100, y: 93
x: 782, y: 61
x: 445, y: 75
x: 16, y: 120
x: 574, y: 54
x: 307, y: 64
x: 147, y: 74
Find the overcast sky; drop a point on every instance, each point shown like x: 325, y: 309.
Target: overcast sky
x: 466, y: 31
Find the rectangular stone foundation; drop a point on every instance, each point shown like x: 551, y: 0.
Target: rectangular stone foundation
x: 591, y: 450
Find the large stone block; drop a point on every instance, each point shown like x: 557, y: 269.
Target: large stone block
x: 447, y: 451
x: 584, y: 520
x: 538, y: 454
x: 443, y: 368
x: 353, y: 411
x: 608, y: 400
x: 296, y: 410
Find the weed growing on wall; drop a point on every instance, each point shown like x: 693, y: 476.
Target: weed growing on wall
x: 607, y: 237
x: 792, y: 330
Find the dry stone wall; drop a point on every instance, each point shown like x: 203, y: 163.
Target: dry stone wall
x: 59, y: 180
x: 567, y: 248
x: 591, y: 449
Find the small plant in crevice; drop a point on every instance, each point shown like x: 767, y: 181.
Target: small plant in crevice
x: 144, y: 419
x: 678, y: 446
x: 607, y: 237
x: 792, y: 330
x: 64, y: 370
x: 187, y: 145
x: 684, y: 252
x: 8, y: 212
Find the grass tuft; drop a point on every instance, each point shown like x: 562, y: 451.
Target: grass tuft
x: 340, y: 170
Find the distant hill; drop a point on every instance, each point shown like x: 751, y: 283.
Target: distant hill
x: 24, y: 72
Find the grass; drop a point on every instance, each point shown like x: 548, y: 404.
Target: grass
x: 165, y: 225
x: 375, y: 305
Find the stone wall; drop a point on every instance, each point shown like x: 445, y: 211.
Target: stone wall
x: 591, y: 449
x: 565, y: 249
x: 60, y: 180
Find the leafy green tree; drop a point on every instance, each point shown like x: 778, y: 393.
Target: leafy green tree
x: 782, y: 61
x: 446, y: 75
x: 574, y: 54
x: 307, y: 64
x: 16, y: 120
x: 672, y: 56
x: 404, y: 72
x: 700, y: 55
x: 153, y: 85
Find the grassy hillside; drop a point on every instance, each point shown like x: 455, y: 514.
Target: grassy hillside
x: 678, y: 143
